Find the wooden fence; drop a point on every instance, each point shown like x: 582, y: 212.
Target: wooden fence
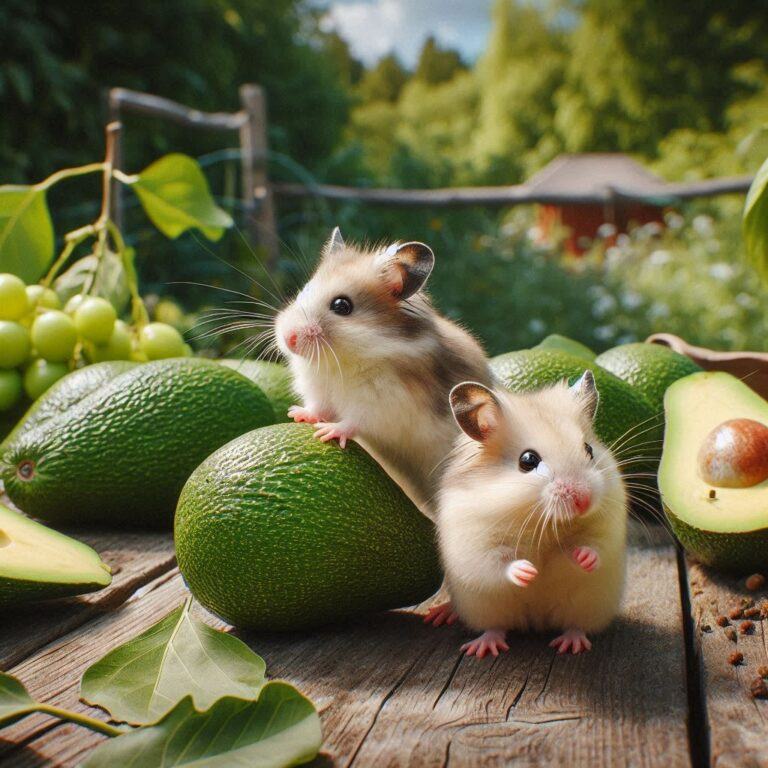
x: 250, y: 122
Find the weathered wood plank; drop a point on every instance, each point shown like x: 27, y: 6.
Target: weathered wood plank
x: 737, y: 723
x: 395, y: 692
x: 136, y: 557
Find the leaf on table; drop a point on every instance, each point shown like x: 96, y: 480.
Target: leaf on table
x: 175, y: 195
x: 26, y: 232
x: 281, y: 728
x: 141, y: 680
x: 755, y: 222
x: 15, y: 702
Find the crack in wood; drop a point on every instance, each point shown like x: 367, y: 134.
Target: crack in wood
x: 448, y: 682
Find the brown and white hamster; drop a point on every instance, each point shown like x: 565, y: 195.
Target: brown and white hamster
x: 532, y: 517
x: 372, y: 359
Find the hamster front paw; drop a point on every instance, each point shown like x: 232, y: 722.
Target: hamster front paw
x: 491, y: 641
x: 573, y: 640
x: 441, y: 614
x: 521, y: 572
x: 586, y: 558
x: 341, y: 431
x: 303, y: 415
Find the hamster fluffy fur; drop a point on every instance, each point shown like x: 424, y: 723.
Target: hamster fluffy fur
x: 493, y: 517
x: 381, y: 373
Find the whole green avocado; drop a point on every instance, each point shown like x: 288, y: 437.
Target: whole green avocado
x: 278, y: 531
x: 121, y: 456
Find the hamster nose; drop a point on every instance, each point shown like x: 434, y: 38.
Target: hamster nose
x: 581, y: 499
x: 292, y: 339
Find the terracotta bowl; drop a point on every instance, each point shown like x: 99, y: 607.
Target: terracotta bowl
x: 751, y: 367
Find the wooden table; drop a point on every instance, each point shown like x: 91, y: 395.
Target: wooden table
x: 657, y: 689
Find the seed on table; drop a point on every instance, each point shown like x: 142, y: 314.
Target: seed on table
x: 736, y: 658
x: 721, y: 621
x: 764, y: 610
x: 746, y: 602
x: 736, y: 613
x: 746, y: 627
x: 763, y: 671
x: 730, y: 633
x: 706, y: 628
x: 754, y: 582
x: 752, y: 613
x: 758, y: 688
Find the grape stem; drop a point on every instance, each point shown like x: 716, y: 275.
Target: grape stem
x: 80, y: 719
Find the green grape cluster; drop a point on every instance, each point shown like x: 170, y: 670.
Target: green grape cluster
x: 41, y: 341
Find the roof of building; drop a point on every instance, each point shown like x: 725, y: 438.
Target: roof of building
x: 593, y: 174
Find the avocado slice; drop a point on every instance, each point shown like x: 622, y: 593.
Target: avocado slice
x: 723, y: 527
x: 38, y: 563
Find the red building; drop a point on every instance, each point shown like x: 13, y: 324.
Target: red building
x: 579, y: 193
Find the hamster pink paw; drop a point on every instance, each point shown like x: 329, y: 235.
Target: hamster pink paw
x: 491, y: 641
x: 573, y: 640
x: 521, y: 572
x: 300, y: 414
x: 586, y: 558
x: 441, y: 614
x: 341, y: 431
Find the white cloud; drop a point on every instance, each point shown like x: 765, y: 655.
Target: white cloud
x: 374, y: 28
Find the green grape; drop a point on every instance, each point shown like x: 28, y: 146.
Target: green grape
x: 73, y: 303
x: 117, y: 348
x: 14, y: 303
x: 159, y: 341
x: 95, y: 319
x: 54, y: 336
x: 10, y: 389
x: 40, y: 374
x: 15, y: 344
x: 188, y: 351
x: 40, y: 296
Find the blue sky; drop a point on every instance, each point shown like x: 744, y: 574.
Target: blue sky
x: 374, y: 28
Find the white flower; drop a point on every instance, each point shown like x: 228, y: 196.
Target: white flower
x: 623, y: 240
x: 537, y: 325
x: 631, y: 299
x: 658, y: 310
x: 721, y: 271
x: 605, y: 332
x: 627, y: 338
x: 746, y: 301
x: 674, y: 220
x: 604, y: 305
x: 606, y: 230
x: 703, y: 225
x: 660, y: 257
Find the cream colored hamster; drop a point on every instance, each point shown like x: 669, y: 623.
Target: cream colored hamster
x: 532, y: 517
x: 373, y: 360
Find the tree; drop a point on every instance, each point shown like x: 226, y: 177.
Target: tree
x: 436, y: 64
x: 384, y: 81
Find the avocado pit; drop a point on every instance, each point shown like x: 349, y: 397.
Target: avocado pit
x: 735, y: 454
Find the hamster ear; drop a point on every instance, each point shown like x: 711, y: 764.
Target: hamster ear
x: 476, y: 410
x: 335, y: 243
x: 407, y: 267
x: 585, y: 390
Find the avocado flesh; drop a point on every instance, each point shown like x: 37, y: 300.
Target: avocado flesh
x: 731, y: 530
x: 38, y: 563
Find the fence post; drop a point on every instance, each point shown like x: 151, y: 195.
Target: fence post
x: 259, y: 215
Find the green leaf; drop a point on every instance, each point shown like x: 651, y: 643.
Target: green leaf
x: 140, y: 681
x: 26, y: 232
x: 176, y: 197
x: 281, y: 728
x: 15, y: 702
x: 755, y: 222
x: 110, y: 281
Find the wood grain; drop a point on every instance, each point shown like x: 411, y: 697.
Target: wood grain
x: 394, y: 692
x: 136, y: 558
x: 737, y: 723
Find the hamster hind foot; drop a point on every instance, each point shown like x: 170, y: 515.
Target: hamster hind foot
x: 441, y: 614
x: 491, y: 641
x: 586, y: 558
x: 573, y: 640
x: 303, y: 415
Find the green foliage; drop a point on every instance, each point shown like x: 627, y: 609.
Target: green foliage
x: 384, y: 81
x: 175, y: 195
x: 436, y: 64
x: 141, y: 680
x: 756, y: 221
x: 281, y: 728
x: 26, y: 232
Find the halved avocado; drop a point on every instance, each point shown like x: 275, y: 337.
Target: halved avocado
x: 38, y: 563
x: 720, y: 526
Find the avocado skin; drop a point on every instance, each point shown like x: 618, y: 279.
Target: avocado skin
x: 650, y: 368
x: 624, y: 417
x: 67, y: 392
x: 121, y: 456
x: 273, y: 378
x: 564, y: 344
x: 742, y: 552
x: 277, y: 531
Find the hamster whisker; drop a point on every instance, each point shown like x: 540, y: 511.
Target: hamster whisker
x: 226, y: 290
x: 633, y: 432
x: 227, y: 328
x: 335, y: 357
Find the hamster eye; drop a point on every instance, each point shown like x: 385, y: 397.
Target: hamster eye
x: 528, y: 461
x: 342, y: 305
x: 588, y: 449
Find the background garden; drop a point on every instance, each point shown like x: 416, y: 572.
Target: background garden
x: 681, y: 86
